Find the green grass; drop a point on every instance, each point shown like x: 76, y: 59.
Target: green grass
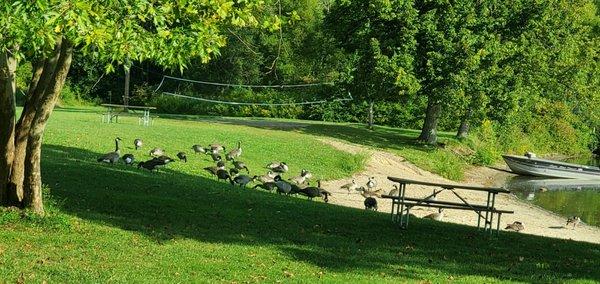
x: 118, y: 224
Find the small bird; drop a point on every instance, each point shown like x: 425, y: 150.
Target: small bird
x: 515, y: 226
x: 575, y: 220
x: 112, y: 157
x: 242, y: 180
x: 198, y: 149
x: 372, y: 183
x: 350, y: 186
x: 128, y: 159
x: 241, y: 166
x: 182, y: 156
x: 395, y: 191
x: 438, y: 216
x: 157, y: 152
x: 137, y: 143
x: 370, y: 204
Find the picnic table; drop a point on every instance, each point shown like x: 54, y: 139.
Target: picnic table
x: 113, y: 111
x: 401, y: 204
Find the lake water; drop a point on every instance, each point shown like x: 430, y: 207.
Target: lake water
x: 563, y: 196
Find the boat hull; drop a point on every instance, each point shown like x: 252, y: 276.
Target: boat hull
x: 548, y: 168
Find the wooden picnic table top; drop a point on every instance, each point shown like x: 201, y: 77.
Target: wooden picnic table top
x: 450, y: 186
x: 128, y: 106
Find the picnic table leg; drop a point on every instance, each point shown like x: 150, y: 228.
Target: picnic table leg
x: 498, y: 224
x: 393, y: 205
x: 402, y: 191
x: 478, y: 219
x: 492, y: 213
x: 487, y: 225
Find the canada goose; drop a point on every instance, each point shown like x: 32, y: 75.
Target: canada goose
x: 137, y: 143
x: 214, y: 169
x: 269, y: 177
x: 530, y: 155
x: 372, y: 183
x: 242, y: 180
x: 216, y: 157
x: 268, y: 186
x: 438, y: 216
x: 241, y: 166
x: 515, y: 226
x: 395, y: 191
x: 182, y: 156
x: 128, y: 159
x: 235, y: 152
x: 301, y: 179
x: 198, y: 149
x: 575, y: 220
x: 216, y: 147
x: 350, y: 186
x: 111, y: 157
x: 282, y: 168
x: 223, y: 175
x: 150, y: 165
x: 157, y: 152
x: 432, y: 197
x: 164, y: 159
x: 283, y: 187
x: 370, y: 204
x: 371, y: 193
x: 312, y: 192
x: 273, y: 165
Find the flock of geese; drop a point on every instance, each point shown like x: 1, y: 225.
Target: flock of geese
x: 272, y: 179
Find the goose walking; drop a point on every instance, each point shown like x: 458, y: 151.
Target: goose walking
x: 214, y: 169
x: 156, y: 152
x: 438, y: 216
x: 241, y: 166
x: 575, y: 220
x: 242, y: 180
x: 112, y: 157
x: 312, y: 192
x: 372, y: 183
x: 235, y: 153
x: 216, y: 147
x: 281, y: 168
x: 182, y: 156
x: 198, y: 149
x: 268, y: 177
x: 515, y: 226
x: 302, y: 178
x: 137, y: 143
x: 216, y: 157
x: 222, y: 174
x: 350, y: 186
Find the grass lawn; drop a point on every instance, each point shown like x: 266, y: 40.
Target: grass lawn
x: 119, y: 224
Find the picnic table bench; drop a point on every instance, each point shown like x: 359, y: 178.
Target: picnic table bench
x: 113, y: 112
x: 401, y: 204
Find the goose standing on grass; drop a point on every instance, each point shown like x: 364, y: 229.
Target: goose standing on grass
x: 216, y: 148
x: 350, y: 186
x: 239, y: 165
x: 268, y: 177
x: 112, y: 157
x: 182, y: 156
x: 156, y: 152
x: 216, y: 157
x: 235, y: 153
x: 128, y: 159
x: 370, y: 204
x: 222, y: 174
x: 281, y: 168
x: 214, y: 169
x: 268, y: 186
x: 515, y: 226
x: 137, y: 143
x: 242, y: 180
x: 198, y: 149
x: 372, y: 183
x: 150, y: 165
x: 438, y: 216
x: 575, y: 220
x: 302, y: 178
x: 283, y: 187
x: 312, y: 192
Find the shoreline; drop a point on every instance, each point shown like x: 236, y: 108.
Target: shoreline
x: 380, y: 164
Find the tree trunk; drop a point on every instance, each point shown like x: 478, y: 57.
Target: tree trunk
x: 463, y: 129
x: 370, y: 119
x: 8, y: 66
x: 42, y: 77
x: 429, y: 130
x: 32, y: 185
x: 126, y: 94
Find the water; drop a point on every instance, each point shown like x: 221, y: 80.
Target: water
x: 566, y: 197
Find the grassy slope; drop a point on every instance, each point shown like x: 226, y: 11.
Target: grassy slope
x: 113, y: 223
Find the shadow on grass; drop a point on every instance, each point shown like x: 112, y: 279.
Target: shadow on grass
x: 169, y: 205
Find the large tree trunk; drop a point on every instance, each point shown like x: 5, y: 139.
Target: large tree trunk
x: 463, y: 129
x: 370, y: 119
x: 32, y: 185
x: 43, y: 74
x: 8, y: 66
x: 429, y: 130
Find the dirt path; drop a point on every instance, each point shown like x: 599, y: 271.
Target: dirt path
x: 381, y: 164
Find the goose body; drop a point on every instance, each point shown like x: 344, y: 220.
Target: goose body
x: 372, y: 183
x: 216, y: 147
x: 283, y: 187
x: 242, y: 180
x: 269, y: 186
x: 222, y: 174
x: 164, y: 159
x: 235, y: 153
x: 112, y: 157
x: 575, y: 220
x: 150, y: 165
x: 302, y: 178
x: 438, y: 216
x: 137, y: 143
x: 182, y: 156
x: 312, y: 192
x: 370, y: 204
x: 515, y: 226
x: 241, y: 166
x: 215, y: 157
x: 156, y: 152
x: 395, y: 191
x: 198, y: 149
x: 350, y: 186
x: 281, y: 168
x: 269, y: 177
x: 371, y: 193
x: 128, y: 159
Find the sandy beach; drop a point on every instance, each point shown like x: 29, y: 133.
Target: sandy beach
x: 381, y: 164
